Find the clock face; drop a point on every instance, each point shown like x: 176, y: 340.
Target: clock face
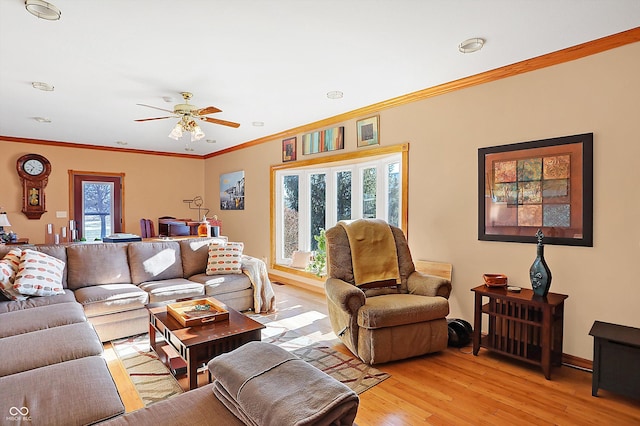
x: 33, y: 167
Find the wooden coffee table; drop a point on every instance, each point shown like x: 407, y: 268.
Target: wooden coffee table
x: 197, y: 345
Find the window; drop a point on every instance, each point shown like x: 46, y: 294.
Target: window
x: 317, y: 195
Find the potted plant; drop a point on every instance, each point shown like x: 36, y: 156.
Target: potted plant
x: 318, y: 264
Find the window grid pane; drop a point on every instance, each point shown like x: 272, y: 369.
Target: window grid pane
x: 291, y: 214
x: 343, y: 195
x: 318, y: 204
x: 369, y: 192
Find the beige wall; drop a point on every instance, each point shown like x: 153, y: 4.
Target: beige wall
x: 154, y: 185
x: 596, y: 94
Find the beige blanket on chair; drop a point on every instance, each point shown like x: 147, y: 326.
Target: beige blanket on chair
x: 262, y: 384
x: 373, y: 251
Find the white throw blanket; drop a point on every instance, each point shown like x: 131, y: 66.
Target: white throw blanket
x: 264, y: 299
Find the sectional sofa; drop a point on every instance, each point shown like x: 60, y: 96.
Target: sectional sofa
x: 53, y: 371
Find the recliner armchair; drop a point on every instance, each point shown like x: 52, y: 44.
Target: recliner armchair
x: 381, y: 321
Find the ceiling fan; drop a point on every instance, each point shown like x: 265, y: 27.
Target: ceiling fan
x: 187, y: 114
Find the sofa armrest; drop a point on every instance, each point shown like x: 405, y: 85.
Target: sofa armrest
x: 346, y: 296
x: 428, y: 285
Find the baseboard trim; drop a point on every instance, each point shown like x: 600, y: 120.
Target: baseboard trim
x: 574, y: 361
x: 283, y: 279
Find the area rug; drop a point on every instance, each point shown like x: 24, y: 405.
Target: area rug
x: 151, y: 378
x: 154, y: 382
x: 318, y: 350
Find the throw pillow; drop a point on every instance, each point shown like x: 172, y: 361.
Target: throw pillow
x: 39, y: 274
x: 8, y: 267
x: 224, y: 258
x: 300, y: 259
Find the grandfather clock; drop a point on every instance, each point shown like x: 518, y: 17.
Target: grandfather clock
x: 34, y: 171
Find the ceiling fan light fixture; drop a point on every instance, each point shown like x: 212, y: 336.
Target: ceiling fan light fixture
x: 176, y: 132
x: 196, y: 133
x: 42, y: 10
x: 471, y: 45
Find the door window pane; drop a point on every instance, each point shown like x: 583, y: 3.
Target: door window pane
x: 318, y: 205
x: 290, y: 214
x: 97, y: 210
x: 343, y: 195
x: 369, y: 190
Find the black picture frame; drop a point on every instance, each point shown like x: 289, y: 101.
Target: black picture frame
x: 545, y: 184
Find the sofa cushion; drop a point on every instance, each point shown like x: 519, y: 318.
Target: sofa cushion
x: 195, y: 253
x: 8, y: 269
x: 49, y: 316
x: 39, y: 274
x: 110, y: 298
x: 58, y: 251
x: 152, y: 261
x: 77, y: 392
x: 177, y: 288
x: 34, y: 302
x: 47, y: 347
x: 226, y: 283
x: 196, y: 407
x: 225, y: 258
x: 399, y: 309
x: 93, y: 264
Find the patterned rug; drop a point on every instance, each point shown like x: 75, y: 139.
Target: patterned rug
x: 154, y: 382
x: 318, y: 350
x: 151, y: 378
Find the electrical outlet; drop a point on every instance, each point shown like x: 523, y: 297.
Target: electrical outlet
x: 62, y: 214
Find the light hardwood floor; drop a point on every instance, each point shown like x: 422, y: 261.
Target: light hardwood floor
x: 452, y: 387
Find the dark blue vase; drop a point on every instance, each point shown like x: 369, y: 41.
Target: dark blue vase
x: 539, y: 272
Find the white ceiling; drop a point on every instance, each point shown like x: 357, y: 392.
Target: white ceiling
x: 259, y: 60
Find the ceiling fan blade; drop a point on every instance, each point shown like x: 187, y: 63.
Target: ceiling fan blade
x: 223, y: 122
x: 207, y: 110
x: 150, y: 106
x: 157, y: 118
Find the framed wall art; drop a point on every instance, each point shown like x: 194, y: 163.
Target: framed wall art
x: 232, y: 191
x: 368, y: 131
x: 289, y: 149
x: 323, y: 140
x: 545, y: 184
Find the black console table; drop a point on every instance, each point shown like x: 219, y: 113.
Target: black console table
x: 616, y: 359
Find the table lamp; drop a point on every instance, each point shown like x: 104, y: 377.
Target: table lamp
x: 4, y: 221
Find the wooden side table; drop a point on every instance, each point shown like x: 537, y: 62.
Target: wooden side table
x: 520, y: 325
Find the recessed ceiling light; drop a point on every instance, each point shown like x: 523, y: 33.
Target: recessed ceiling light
x: 42, y: 10
x: 122, y: 143
x: 211, y: 141
x: 42, y: 86
x: 335, y: 94
x: 258, y: 123
x: 471, y: 45
x: 42, y: 119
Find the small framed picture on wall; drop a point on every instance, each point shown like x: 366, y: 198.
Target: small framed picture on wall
x: 368, y: 131
x: 289, y: 149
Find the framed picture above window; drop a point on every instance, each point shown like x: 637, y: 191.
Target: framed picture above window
x: 545, y: 184
x: 368, y: 131
x: 323, y: 140
x: 289, y: 149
